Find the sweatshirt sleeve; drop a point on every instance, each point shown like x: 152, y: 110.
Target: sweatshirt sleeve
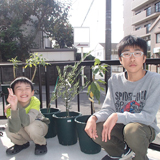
x: 33, y: 114
x: 23, y: 116
x: 25, y: 121
x: 148, y: 114
x: 14, y: 122
x: 30, y: 113
x: 17, y: 119
x: 107, y: 107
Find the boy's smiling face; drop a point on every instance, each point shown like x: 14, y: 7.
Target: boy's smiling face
x: 23, y: 92
x: 132, y: 64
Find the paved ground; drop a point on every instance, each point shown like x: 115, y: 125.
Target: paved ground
x: 56, y: 151
x: 59, y: 152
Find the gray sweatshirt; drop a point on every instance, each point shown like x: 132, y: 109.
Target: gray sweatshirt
x: 132, y: 101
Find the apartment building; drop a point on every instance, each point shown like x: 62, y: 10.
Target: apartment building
x: 142, y: 18
x: 99, y: 53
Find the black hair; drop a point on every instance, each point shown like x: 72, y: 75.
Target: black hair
x: 132, y: 41
x: 21, y: 80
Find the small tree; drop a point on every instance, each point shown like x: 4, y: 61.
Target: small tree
x: 94, y: 88
x: 35, y: 60
x: 68, y: 85
x: 15, y: 65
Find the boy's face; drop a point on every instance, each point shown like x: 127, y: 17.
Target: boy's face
x: 132, y: 64
x: 23, y: 92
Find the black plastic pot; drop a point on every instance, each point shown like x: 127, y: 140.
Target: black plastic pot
x: 66, y: 127
x: 52, y: 126
x: 87, y: 145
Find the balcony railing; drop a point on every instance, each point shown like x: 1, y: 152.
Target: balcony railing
x: 145, y: 15
x: 137, y: 4
x: 45, y: 77
x: 152, y: 10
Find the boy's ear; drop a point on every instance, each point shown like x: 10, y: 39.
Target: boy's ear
x: 120, y: 60
x: 32, y: 93
x: 144, y: 58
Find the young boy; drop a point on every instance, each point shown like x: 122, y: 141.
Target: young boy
x: 127, y: 121
x: 25, y: 121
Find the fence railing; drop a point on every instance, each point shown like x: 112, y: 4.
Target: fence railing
x: 47, y: 76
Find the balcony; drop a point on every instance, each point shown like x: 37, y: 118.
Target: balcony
x: 44, y: 87
x: 140, y: 32
x: 137, y: 4
x: 144, y: 16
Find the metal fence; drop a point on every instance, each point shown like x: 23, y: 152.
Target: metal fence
x: 47, y: 75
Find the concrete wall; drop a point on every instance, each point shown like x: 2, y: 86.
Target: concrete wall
x: 154, y: 44
x: 57, y: 54
x: 127, y: 14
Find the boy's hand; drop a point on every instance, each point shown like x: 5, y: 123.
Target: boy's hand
x: 108, y: 126
x: 6, y: 107
x: 12, y: 99
x: 91, y: 127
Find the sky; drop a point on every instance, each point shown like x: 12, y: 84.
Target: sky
x: 95, y: 19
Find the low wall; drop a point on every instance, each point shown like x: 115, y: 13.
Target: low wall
x: 57, y: 54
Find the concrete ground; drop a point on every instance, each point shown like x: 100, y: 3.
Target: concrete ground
x: 57, y: 151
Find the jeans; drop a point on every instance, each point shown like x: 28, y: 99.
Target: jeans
x: 137, y: 136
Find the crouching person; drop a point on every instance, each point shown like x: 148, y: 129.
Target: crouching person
x: 126, y: 124
x: 25, y: 121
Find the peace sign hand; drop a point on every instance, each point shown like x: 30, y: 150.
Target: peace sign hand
x: 12, y: 99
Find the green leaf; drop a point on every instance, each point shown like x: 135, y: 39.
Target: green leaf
x: 97, y: 94
x: 97, y: 85
x: 97, y: 61
x: 100, y: 74
x: 96, y: 71
x: 101, y: 81
x: 93, y: 88
x: 89, y: 88
x: 102, y: 89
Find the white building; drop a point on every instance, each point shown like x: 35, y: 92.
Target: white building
x: 99, y: 53
x: 142, y: 19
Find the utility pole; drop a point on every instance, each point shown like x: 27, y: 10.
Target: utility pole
x: 108, y: 38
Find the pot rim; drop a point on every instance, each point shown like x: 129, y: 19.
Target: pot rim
x: 79, y: 122
x: 64, y: 117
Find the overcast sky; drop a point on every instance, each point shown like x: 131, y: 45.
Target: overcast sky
x: 96, y: 19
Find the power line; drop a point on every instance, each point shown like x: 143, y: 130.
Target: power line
x: 74, y: 2
x: 87, y: 12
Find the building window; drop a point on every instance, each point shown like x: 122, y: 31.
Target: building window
x: 147, y: 27
x: 157, y: 7
x: 148, y: 11
x: 138, y: 12
x: 99, y: 53
x: 149, y: 45
x: 158, y: 38
x: 137, y: 28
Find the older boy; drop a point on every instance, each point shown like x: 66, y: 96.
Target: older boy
x: 127, y: 120
x: 25, y: 121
